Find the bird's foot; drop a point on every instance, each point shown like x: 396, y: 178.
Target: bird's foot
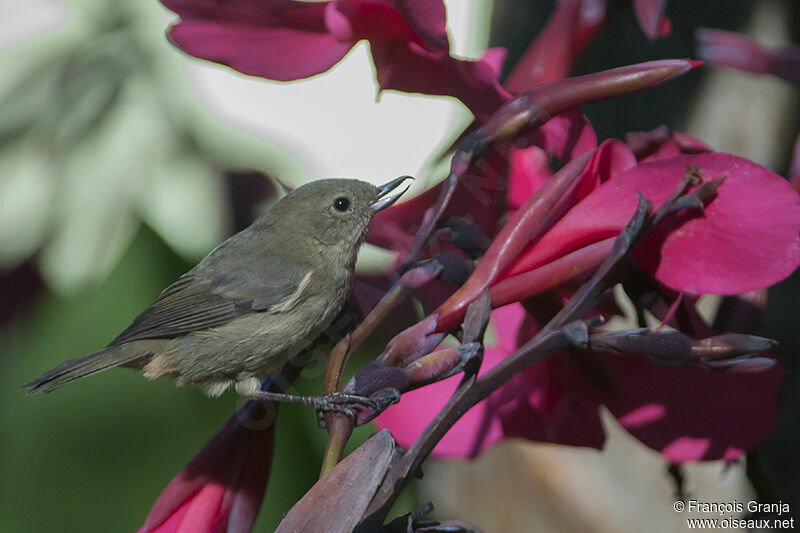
x: 378, y: 401
x: 336, y: 401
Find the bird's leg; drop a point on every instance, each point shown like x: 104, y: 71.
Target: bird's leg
x: 335, y: 401
x: 317, y: 402
x: 378, y: 400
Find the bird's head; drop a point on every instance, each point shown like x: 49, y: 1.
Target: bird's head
x: 336, y: 212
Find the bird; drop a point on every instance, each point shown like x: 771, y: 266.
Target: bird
x: 255, y: 301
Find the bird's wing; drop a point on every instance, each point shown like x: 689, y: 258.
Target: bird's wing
x: 195, y: 302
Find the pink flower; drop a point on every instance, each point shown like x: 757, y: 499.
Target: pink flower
x: 754, y: 220
x: 288, y: 40
x: 221, y: 489
x: 685, y: 413
x: 747, y: 238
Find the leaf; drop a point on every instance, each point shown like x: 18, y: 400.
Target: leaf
x: 338, y: 501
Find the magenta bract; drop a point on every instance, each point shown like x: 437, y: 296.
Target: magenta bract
x: 221, y: 489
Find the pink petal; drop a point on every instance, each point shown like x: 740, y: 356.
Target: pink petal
x: 685, y: 413
x: 528, y: 169
x: 494, y: 58
x: 254, y: 12
x: 199, y: 514
x: 421, y: 21
x: 281, y: 54
x: 406, y: 66
x: 550, y: 55
x: 276, y: 39
x: 416, y: 409
x: 650, y: 14
x: 575, y: 265
x: 223, y: 484
x: 428, y: 19
x: 747, y: 238
x: 547, y: 402
x: 693, y: 414
x: 611, y: 158
x: 567, y: 135
x: 531, y: 219
x: 554, y: 405
x: 475, y: 431
x: 576, y: 422
x: 411, y: 51
x: 203, y: 511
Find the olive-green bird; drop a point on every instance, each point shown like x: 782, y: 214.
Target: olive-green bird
x: 255, y: 301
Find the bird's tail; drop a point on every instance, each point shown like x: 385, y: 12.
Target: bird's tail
x: 80, y: 367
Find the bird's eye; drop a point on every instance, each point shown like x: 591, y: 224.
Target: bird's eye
x: 341, y: 204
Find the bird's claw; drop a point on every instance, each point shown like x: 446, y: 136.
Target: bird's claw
x: 378, y: 401
x: 339, y: 402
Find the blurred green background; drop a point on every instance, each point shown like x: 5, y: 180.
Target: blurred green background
x: 115, y: 179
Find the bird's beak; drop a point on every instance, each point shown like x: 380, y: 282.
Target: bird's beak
x: 382, y: 200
